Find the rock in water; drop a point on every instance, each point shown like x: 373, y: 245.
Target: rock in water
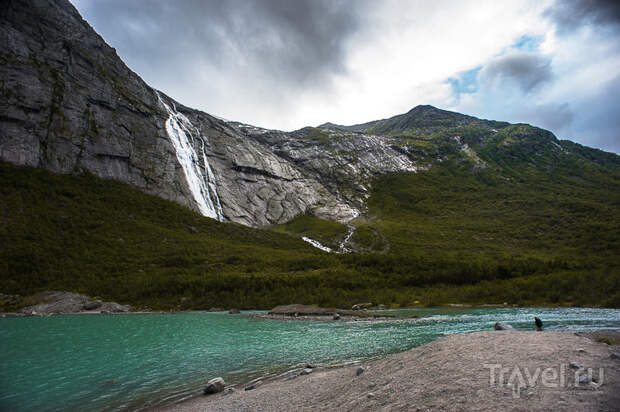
x: 503, y: 326
x: 306, y: 371
x: 234, y: 311
x: 336, y: 316
x: 215, y: 385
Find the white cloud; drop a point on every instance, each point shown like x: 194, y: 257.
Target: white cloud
x: 265, y: 62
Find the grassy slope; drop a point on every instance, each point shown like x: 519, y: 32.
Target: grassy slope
x: 452, y: 236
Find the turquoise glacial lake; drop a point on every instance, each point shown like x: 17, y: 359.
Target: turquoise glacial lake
x: 133, y: 362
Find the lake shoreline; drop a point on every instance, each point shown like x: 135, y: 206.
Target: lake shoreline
x: 445, y: 373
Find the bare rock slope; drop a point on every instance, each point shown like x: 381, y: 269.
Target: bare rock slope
x: 70, y: 104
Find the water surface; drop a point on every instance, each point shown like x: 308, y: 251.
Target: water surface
x: 133, y: 361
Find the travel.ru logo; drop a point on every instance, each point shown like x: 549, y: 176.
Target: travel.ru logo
x: 561, y: 376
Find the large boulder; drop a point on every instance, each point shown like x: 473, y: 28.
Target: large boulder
x: 58, y: 302
x: 215, y: 385
x: 502, y: 326
x: 115, y: 307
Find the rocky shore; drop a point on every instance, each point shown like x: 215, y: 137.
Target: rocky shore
x: 487, y: 371
x: 62, y: 303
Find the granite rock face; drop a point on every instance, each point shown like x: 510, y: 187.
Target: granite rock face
x: 343, y: 161
x: 69, y: 104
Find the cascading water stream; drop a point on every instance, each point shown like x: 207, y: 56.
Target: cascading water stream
x: 200, y: 178
x: 342, y: 248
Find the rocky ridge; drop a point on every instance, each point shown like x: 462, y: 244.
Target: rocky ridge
x: 60, y: 303
x: 69, y: 104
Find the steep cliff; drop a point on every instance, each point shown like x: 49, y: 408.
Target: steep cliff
x: 70, y: 104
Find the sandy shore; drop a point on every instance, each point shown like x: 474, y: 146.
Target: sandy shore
x: 458, y: 372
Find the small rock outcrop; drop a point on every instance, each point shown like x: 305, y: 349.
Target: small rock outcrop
x: 215, y: 385
x: 502, y: 326
x: 50, y: 303
x: 95, y: 304
x: 301, y: 310
x: 359, y: 371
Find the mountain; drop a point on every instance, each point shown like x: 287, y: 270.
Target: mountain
x: 430, y: 205
x: 69, y: 104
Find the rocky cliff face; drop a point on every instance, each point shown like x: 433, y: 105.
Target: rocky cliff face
x: 69, y: 104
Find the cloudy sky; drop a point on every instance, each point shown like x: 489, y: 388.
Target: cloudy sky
x: 286, y: 64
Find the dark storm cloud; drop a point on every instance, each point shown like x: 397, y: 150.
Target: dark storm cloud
x: 569, y: 15
x: 557, y: 117
x: 599, y: 123
x: 296, y: 42
x: 527, y: 70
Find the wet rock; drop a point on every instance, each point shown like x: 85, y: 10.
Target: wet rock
x: 336, y: 316
x: 615, y: 356
x: 502, y: 326
x: 306, y: 371
x: 234, y: 311
x: 215, y: 385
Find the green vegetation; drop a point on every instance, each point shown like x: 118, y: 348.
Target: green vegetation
x: 545, y: 231
x: 319, y: 135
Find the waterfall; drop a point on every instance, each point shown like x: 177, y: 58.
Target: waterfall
x: 200, y: 178
x: 343, y: 248
x: 316, y: 244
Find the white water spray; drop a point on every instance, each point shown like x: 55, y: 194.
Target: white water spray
x: 200, y: 178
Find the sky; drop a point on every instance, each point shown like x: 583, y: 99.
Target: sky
x: 286, y: 64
